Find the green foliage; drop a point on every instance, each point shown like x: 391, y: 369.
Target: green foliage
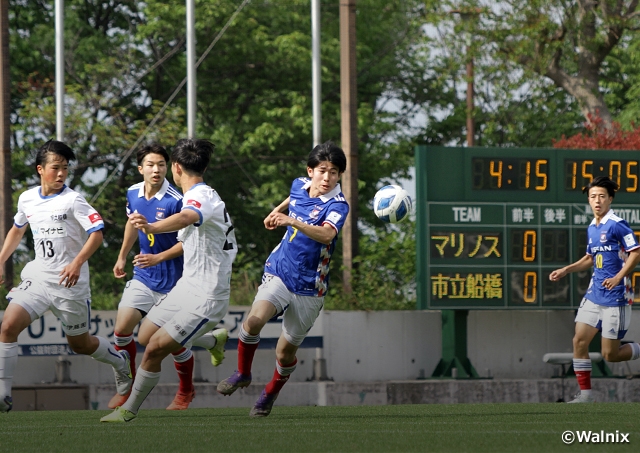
x: 384, y: 276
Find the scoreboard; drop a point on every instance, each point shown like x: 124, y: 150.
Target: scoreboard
x: 493, y: 223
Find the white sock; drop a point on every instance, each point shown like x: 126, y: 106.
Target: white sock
x: 122, y: 341
x: 106, y: 353
x: 145, y: 382
x: 8, y: 361
x: 247, y: 338
x: 182, y: 356
x: 206, y: 341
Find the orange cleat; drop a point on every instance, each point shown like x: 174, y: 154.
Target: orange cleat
x: 118, y: 400
x: 181, y: 401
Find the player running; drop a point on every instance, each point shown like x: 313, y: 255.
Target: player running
x: 157, y: 268
x: 613, y: 251
x: 296, y: 274
x: 200, y: 298
x: 66, y: 232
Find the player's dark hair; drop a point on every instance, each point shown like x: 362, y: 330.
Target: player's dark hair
x: 602, y: 181
x: 328, y: 152
x: 151, y: 148
x: 192, y: 154
x: 54, y: 147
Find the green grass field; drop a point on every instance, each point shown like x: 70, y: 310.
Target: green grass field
x: 420, y: 428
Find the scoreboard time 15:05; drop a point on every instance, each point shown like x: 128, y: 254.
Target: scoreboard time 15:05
x: 494, y: 223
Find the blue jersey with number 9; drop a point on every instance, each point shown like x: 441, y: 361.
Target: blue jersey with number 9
x: 168, y: 201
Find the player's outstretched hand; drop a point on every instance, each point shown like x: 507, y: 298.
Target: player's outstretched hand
x: 118, y: 269
x: 138, y: 221
x: 557, y: 275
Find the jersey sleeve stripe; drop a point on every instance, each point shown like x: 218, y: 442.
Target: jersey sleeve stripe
x: 20, y: 226
x: 94, y: 229
x: 326, y: 222
x: 199, y: 214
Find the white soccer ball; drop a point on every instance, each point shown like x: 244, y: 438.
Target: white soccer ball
x: 392, y: 204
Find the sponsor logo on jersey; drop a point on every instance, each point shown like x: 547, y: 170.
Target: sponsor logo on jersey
x: 58, y: 217
x: 603, y: 236
x: 95, y: 217
x: 195, y: 203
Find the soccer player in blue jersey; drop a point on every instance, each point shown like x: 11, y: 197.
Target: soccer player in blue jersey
x: 66, y: 232
x: 157, y: 268
x: 296, y: 274
x: 613, y: 251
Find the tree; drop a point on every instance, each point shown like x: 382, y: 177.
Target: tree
x: 567, y: 42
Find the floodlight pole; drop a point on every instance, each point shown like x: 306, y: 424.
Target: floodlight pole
x: 59, y: 70
x: 191, y: 68
x: 316, y: 73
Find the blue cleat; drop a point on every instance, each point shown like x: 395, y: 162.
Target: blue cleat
x: 263, y: 406
x: 234, y: 382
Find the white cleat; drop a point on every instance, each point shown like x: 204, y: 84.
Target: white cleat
x: 581, y: 398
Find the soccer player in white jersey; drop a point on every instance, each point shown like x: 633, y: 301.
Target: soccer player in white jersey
x: 296, y: 274
x: 66, y: 232
x: 613, y: 251
x: 157, y: 268
x: 200, y: 299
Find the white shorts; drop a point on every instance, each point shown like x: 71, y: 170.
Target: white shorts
x: 186, y: 316
x: 139, y: 296
x: 298, y: 312
x: 35, y: 297
x: 612, y: 321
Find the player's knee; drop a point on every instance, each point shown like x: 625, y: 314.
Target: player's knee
x: 83, y: 348
x: 579, y: 343
x: 612, y: 356
x: 9, y: 331
x: 254, y: 325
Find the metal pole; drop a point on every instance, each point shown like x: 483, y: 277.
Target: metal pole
x: 316, y: 74
x: 60, y: 70
x: 470, y: 94
x: 6, y: 201
x: 191, y: 68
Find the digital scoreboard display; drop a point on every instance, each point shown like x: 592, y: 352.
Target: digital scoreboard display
x: 494, y: 223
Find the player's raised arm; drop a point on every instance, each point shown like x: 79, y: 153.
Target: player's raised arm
x: 320, y: 233
x: 176, y: 222
x: 11, y: 242
x: 582, y: 264
x: 269, y: 223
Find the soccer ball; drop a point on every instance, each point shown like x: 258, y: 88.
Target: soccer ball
x: 392, y: 204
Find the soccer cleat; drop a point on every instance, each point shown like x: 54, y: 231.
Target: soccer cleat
x: 263, y: 406
x: 6, y: 404
x: 217, y: 352
x: 118, y: 400
x: 120, y: 415
x: 181, y: 401
x: 124, y: 381
x: 580, y: 398
x: 234, y: 382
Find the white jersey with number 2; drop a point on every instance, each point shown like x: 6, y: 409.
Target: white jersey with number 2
x: 61, y: 224
x: 209, y: 245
